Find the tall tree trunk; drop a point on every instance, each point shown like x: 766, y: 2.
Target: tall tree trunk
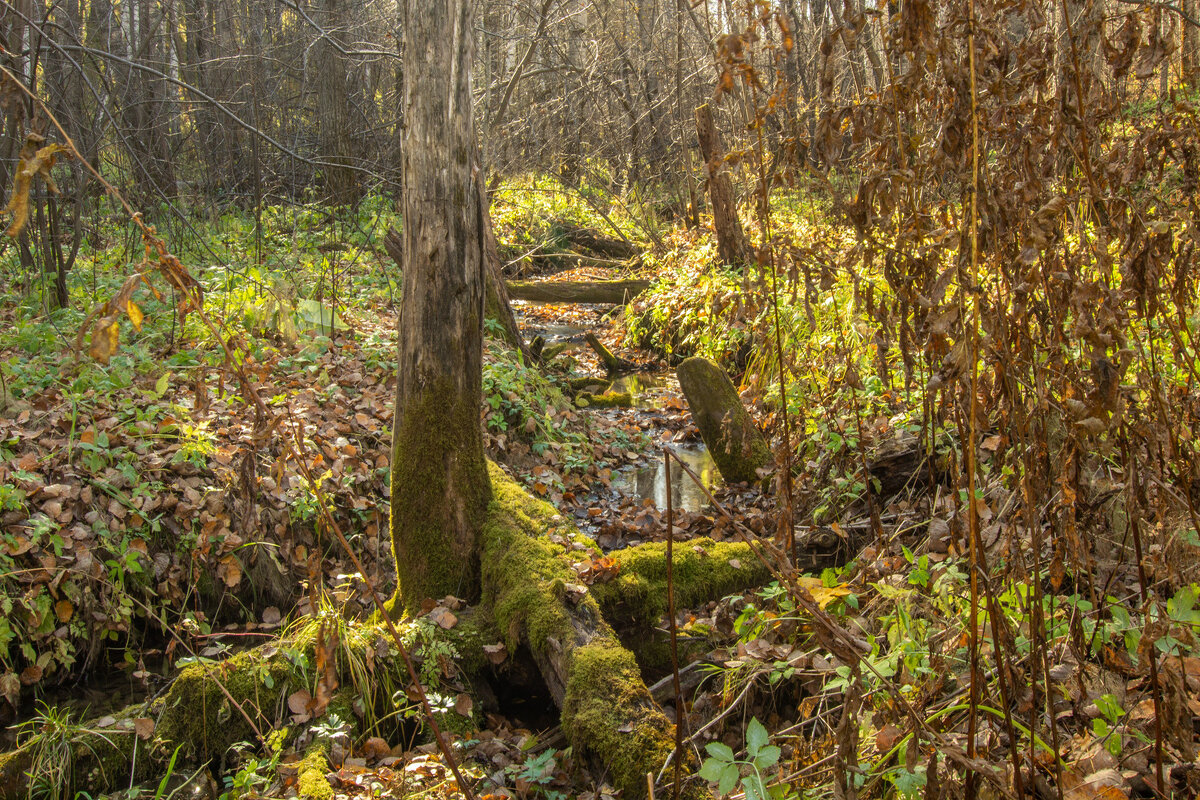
x: 440, y: 487
x: 1190, y: 51
x: 731, y: 238
x: 333, y: 111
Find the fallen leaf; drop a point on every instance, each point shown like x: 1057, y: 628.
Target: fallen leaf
x: 443, y: 618
x: 496, y: 653
x: 64, y: 609
x: 143, y: 727
x: 230, y: 570
x: 298, y: 702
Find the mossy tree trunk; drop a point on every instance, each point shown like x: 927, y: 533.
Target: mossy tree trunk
x: 440, y: 487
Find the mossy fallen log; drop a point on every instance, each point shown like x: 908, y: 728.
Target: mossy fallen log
x: 728, y: 430
x: 528, y: 596
x: 635, y: 601
x: 587, y: 384
x: 617, y: 292
x: 612, y: 364
x: 605, y: 400
x: 607, y: 710
x: 704, y: 570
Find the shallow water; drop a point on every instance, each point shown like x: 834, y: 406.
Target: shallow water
x: 642, y: 386
x: 649, y: 481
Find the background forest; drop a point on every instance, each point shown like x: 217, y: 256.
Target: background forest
x: 946, y: 252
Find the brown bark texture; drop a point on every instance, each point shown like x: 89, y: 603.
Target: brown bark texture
x: 731, y: 238
x: 440, y: 487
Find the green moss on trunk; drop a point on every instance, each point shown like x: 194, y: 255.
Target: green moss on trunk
x: 199, y: 715
x: 440, y: 494
x: 606, y: 400
x: 13, y: 767
x: 737, y: 446
x: 609, y: 711
x: 704, y: 570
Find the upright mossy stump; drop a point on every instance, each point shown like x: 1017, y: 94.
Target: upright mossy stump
x: 729, y: 432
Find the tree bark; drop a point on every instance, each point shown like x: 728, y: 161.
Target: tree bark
x: 731, y: 238
x: 1190, y: 50
x: 440, y: 488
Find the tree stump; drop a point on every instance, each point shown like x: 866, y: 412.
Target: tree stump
x: 736, y: 445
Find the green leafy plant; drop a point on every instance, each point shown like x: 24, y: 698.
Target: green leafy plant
x: 723, y: 768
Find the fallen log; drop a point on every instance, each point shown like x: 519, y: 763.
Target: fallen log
x: 617, y: 292
x: 612, y: 364
x: 575, y: 260
x: 531, y: 596
x: 588, y: 239
x: 607, y: 711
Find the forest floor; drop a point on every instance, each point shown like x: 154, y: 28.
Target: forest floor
x: 148, y: 525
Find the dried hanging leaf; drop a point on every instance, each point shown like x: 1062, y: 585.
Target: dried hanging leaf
x: 34, y: 161
x: 106, y: 338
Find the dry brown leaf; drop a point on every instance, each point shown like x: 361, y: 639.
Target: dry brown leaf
x: 299, y: 701
x: 31, y: 674
x: 496, y: 653
x: 143, y: 727
x: 443, y: 618
x: 230, y: 570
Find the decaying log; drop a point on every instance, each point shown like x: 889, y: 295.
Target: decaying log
x: 534, y: 599
x: 587, y: 239
x: 617, y: 292
x: 612, y: 364
x: 536, y: 602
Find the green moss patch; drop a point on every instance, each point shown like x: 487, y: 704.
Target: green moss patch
x: 704, y: 570
x: 606, y: 709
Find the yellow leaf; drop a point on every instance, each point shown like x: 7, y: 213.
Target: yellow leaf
x: 823, y: 595
x: 135, y: 314
x: 33, y: 162
x: 827, y: 594
x: 106, y: 338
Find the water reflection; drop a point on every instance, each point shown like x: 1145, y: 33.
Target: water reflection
x: 650, y: 481
x: 641, y: 385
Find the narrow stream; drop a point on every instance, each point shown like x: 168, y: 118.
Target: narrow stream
x: 650, y: 481
x: 652, y: 392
